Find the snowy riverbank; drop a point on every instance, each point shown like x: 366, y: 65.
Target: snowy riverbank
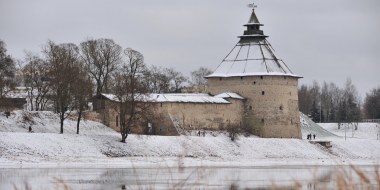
x: 99, y: 146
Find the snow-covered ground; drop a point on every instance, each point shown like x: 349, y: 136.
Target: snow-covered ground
x: 48, y: 122
x: 97, y: 145
x: 363, y: 131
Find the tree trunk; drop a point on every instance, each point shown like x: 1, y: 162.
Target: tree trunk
x: 79, y: 116
x: 31, y: 102
x: 123, y: 137
x: 62, y: 118
x: 36, y: 104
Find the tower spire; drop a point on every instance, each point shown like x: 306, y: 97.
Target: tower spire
x: 253, y: 26
x: 253, y: 19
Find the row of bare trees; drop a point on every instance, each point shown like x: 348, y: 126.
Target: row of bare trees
x: 329, y: 102
x: 67, y: 76
x: 372, y: 104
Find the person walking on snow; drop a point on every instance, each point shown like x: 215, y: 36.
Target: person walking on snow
x: 31, y: 129
x: 314, y: 136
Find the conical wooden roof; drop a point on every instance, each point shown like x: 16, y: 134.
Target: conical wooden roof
x: 252, y: 55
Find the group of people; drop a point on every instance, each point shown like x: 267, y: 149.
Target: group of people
x: 309, y: 136
x: 199, y: 133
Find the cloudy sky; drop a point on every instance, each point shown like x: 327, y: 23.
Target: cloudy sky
x: 320, y: 40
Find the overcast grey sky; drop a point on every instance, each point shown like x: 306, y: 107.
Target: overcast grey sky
x: 323, y: 40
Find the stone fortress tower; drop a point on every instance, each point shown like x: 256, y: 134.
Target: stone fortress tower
x: 253, y: 70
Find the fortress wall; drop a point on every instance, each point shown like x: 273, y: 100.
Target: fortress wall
x: 272, y: 103
x: 108, y: 117
x: 193, y: 116
x: 197, y: 116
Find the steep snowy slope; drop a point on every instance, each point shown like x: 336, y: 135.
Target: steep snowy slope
x: 309, y: 127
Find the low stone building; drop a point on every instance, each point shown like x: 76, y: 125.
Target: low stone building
x: 13, y: 101
x: 179, y: 112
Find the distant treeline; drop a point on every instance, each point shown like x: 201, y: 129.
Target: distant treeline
x: 330, y: 103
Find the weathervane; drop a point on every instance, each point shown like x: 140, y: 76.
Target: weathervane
x: 253, y: 6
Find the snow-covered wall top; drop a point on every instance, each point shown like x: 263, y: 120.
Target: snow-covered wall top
x: 190, y: 98
x: 193, y: 98
x: 229, y: 95
x: 252, y: 58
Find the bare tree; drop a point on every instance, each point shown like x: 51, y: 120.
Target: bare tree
x: 372, y: 104
x: 325, y: 100
x: 101, y: 57
x: 35, y: 74
x: 132, y: 105
x: 353, y: 100
x: 7, y: 70
x: 62, y: 60
x: 82, y: 91
x: 198, y: 76
x: 336, y: 96
x: 233, y: 130
x: 157, y: 79
x: 177, y: 80
x: 304, y: 99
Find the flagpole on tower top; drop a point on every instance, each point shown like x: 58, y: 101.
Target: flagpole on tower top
x: 253, y: 6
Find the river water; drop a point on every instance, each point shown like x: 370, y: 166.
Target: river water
x: 282, y: 177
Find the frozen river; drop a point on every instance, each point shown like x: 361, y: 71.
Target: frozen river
x: 170, y: 178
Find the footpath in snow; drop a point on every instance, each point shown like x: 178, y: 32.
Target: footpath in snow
x: 99, y: 145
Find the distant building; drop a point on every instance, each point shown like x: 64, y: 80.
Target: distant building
x: 13, y: 101
x: 196, y: 89
x: 252, y: 87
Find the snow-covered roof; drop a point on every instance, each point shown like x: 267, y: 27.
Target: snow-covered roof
x: 252, y: 56
x: 16, y: 95
x: 229, y: 95
x: 189, y: 98
x: 111, y: 97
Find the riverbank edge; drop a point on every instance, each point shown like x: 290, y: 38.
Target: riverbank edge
x: 178, y: 162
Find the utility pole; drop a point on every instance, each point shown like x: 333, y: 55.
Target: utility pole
x: 344, y: 132
x: 320, y: 108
